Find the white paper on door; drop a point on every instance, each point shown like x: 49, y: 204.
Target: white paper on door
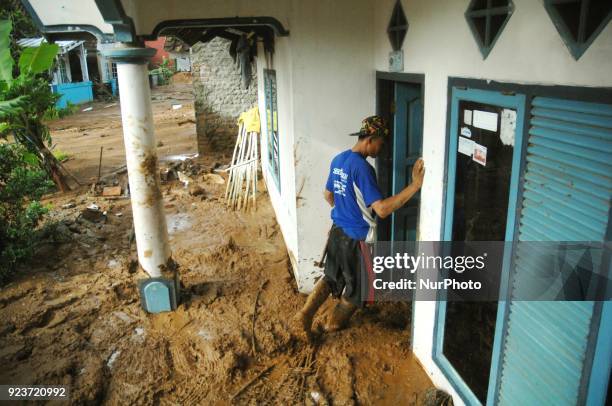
x: 467, y: 117
x: 485, y: 120
x: 466, y: 146
x: 507, y: 126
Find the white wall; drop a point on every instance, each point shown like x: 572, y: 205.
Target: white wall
x: 439, y: 44
x: 72, y: 12
x: 333, y: 90
x: 325, y: 87
x: 283, y: 201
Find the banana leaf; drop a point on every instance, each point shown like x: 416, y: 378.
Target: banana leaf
x: 38, y: 59
x: 12, y: 106
x: 6, y: 60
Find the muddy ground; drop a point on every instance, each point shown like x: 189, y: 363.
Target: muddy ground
x: 73, y: 316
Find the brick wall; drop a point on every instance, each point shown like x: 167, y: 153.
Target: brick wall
x: 220, y: 96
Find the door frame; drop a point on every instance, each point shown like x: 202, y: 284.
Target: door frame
x: 600, y: 339
x: 518, y: 103
x: 389, y: 79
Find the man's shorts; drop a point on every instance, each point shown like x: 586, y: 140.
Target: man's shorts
x: 348, y: 268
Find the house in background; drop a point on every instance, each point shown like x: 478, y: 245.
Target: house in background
x: 179, y: 52
x: 172, y: 49
x: 161, y: 54
x: 71, y: 77
x: 107, y: 68
x: 508, y: 101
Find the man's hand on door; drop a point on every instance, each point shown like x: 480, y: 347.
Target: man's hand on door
x: 418, y: 172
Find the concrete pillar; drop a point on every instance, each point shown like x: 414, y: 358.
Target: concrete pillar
x: 160, y: 292
x: 83, y: 60
x: 141, y: 156
x: 104, y: 64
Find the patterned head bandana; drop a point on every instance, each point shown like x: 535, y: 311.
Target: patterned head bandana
x: 373, y: 125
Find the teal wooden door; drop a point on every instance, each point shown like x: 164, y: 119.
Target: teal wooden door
x: 407, y: 148
x: 450, y: 349
x: 547, y: 354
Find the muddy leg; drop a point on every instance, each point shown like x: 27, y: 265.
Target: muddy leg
x: 340, y: 316
x: 303, y: 319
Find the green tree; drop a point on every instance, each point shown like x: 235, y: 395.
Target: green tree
x: 24, y: 100
x: 23, y: 26
x: 22, y: 183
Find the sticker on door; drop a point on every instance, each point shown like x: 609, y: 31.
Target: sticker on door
x: 466, y: 146
x: 480, y: 154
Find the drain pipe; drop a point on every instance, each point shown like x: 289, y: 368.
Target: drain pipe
x: 159, y: 293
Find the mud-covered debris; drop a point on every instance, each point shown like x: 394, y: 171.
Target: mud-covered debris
x: 6, y: 329
x: 69, y: 205
x: 75, y: 228
x: 112, y: 359
x: 214, y: 178
x: 93, y: 213
x: 111, y: 191
x: 167, y: 174
x: 15, y: 351
x: 184, y: 178
x: 196, y: 190
x: 187, y: 166
x: 318, y: 398
x: 436, y: 397
x: 62, y: 233
x: 123, y: 317
x: 139, y: 335
x: 133, y: 265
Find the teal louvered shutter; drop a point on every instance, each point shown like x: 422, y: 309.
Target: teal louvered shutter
x: 566, y: 197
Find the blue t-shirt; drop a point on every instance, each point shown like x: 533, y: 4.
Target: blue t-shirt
x: 353, y: 182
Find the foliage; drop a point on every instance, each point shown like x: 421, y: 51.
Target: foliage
x: 61, y: 155
x: 164, y: 71
x: 22, y: 183
x: 25, y: 99
x: 26, y: 121
x: 6, y: 60
x: 23, y: 26
x: 54, y: 113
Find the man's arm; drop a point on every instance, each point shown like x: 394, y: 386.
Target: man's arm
x: 384, y: 207
x: 329, y: 197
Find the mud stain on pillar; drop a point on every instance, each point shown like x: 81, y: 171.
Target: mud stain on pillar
x: 148, y: 167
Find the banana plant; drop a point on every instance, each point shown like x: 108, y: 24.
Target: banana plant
x: 25, y: 98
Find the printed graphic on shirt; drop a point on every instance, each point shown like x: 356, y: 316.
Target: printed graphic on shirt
x: 340, y: 184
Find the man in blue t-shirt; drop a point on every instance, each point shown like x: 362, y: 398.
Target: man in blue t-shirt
x: 353, y: 193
